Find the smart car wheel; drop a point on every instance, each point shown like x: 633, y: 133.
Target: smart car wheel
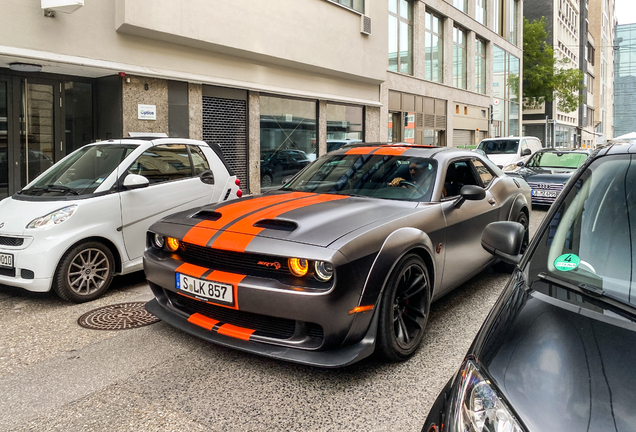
x: 266, y: 180
x: 84, y: 272
x: 404, y: 309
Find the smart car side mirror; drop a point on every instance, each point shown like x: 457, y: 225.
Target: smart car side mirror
x: 470, y: 193
x: 521, y: 164
x: 207, y: 177
x: 526, y: 152
x: 135, y: 181
x: 504, y: 240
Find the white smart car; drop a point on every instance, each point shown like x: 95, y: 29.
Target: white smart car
x: 85, y: 219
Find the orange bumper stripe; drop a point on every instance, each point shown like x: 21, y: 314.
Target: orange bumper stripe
x: 202, y: 321
x: 202, y: 232
x: 191, y: 270
x: 240, y: 234
x: 235, y: 332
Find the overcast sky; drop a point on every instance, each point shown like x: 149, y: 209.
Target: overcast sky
x: 626, y: 11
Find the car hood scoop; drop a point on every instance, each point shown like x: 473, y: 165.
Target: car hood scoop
x: 276, y: 224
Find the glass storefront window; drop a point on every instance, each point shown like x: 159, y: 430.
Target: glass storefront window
x: 344, y: 125
x: 409, y: 127
x: 288, y: 137
x: 4, y: 161
x: 78, y: 113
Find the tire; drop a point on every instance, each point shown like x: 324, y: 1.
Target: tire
x: 84, y: 272
x: 266, y: 181
x: 503, y: 267
x: 404, y: 309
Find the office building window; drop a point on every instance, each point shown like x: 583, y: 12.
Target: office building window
x: 512, y: 21
x: 434, y: 48
x: 480, y: 11
x: 401, y: 36
x: 462, y: 5
x: 480, y: 66
x: 506, y: 106
x: 459, y: 58
x: 357, y: 5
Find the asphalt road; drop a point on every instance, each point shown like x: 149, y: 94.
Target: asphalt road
x: 58, y: 376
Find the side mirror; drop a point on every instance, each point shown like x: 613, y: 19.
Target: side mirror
x: 521, y: 164
x: 207, y: 177
x: 526, y: 152
x: 504, y: 240
x: 135, y: 181
x: 470, y: 193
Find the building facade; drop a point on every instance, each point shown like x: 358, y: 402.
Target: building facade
x: 274, y: 83
x: 450, y: 62
x: 625, y: 80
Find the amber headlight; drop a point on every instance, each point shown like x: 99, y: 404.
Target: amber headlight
x: 158, y: 241
x: 172, y: 244
x: 298, y: 266
x: 323, y: 270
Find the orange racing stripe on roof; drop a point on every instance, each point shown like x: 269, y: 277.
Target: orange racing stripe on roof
x: 202, y: 232
x: 240, y: 234
x: 361, y: 150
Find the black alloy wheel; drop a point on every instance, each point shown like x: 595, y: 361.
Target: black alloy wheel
x: 266, y: 180
x: 404, y: 309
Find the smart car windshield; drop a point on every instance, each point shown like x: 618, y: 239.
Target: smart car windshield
x: 556, y: 160
x: 591, y: 239
x: 377, y: 176
x: 499, y: 146
x: 82, y: 172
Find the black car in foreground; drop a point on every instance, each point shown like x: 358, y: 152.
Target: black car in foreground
x: 342, y: 261
x: 548, y: 170
x: 557, y: 351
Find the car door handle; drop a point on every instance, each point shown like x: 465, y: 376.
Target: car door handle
x: 492, y: 201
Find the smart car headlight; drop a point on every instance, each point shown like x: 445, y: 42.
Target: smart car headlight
x: 54, y: 218
x: 323, y: 270
x: 511, y: 167
x: 478, y: 407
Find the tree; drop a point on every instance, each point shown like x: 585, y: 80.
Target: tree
x: 546, y: 79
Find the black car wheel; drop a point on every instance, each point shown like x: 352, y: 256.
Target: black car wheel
x: 84, y: 273
x: 266, y: 180
x: 404, y: 309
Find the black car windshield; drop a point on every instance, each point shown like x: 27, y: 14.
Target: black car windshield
x: 377, y: 176
x: 591, y: 239
x: 499, y: 146
x: 557, y: 160
x: 82, y: 172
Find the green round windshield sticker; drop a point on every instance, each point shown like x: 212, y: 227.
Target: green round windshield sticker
x: 567, y: 262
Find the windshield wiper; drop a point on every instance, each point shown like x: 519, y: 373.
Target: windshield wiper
x: 61, y: 188
x: 591, y: 291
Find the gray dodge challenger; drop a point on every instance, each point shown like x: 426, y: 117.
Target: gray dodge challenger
x: 341, y: 262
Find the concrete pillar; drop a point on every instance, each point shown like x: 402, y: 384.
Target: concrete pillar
x: 254, y: 143
x: 195, y: 111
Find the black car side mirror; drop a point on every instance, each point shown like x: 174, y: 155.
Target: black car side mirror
x: 207, y: 177
x: 521, y: 164
x: 504, y: 240
x: 526, y: 152
x: 470, y: 193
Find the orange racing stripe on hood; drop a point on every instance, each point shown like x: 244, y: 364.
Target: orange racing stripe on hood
x: 202, y: 232
x: 230, y: 279
x: 191, y: 270
x: 241, y: 233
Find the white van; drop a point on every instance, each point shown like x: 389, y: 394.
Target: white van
x: 507, y: 152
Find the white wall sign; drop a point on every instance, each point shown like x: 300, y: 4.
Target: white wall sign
x: 147, y: 112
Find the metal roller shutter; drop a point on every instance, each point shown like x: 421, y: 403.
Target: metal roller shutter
x: 462, y: 138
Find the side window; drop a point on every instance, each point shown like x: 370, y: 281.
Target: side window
x: 524, y: 146
x: 163, y: 163
x: 484, y: 173
x: 458, y: 174
x: 199, y: 162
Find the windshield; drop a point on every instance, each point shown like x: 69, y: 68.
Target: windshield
x: 377, y: 176
x: 592, y: 237
x: 499, y: 147
x: 556, y: 160
x: 82, y: 172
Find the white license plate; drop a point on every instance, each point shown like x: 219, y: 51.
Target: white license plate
x: 202, y: 289
x: 543, y: 193
x: 6, y: 260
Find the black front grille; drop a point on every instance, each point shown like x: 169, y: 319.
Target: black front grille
x: 7, y: 272
x: 227, y: 260
x: 11, y: 241
x: 27, y: 274
x: 264, y: 325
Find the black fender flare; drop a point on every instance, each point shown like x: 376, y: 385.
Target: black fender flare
x: 519, y: 203
x: 396, y: 245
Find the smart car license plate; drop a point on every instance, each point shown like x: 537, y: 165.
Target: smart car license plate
x: 6, y: 260
x: 545, y: 193
x: 207, y: 290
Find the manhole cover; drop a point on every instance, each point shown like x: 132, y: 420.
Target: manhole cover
x: 121, y: 316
